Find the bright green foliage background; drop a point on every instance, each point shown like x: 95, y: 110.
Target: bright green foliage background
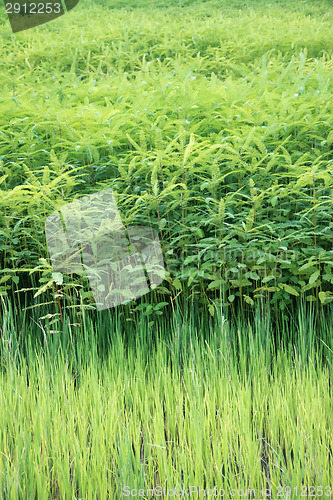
x: 211, y: 121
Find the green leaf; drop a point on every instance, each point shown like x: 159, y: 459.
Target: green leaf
x: 248, y: 300
x: 314, y: 277
x: 330, y: 138
x: 311, y: 298
x: 290, y: 289
x: 3, y: 178
x: 160, y: 305
x: 177, y: 284
x: 307, y: 265
x: 274, y: 201
x: 216, y: 284
x: 254, y: 276
x: 58, y: 278
x: 5, y: 278
x: 268, y: 278
x: 325, y: 297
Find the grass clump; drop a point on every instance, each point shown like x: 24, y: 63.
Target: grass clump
x: 181, y: 403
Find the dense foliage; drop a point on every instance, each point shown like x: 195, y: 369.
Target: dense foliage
x: 213, y: 126
x: 212, y: 123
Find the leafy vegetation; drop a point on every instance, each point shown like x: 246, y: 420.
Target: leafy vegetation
x: 212, y: 123
x: 213, y: 126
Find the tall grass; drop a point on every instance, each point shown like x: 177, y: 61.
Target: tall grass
x: 97, y: 406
